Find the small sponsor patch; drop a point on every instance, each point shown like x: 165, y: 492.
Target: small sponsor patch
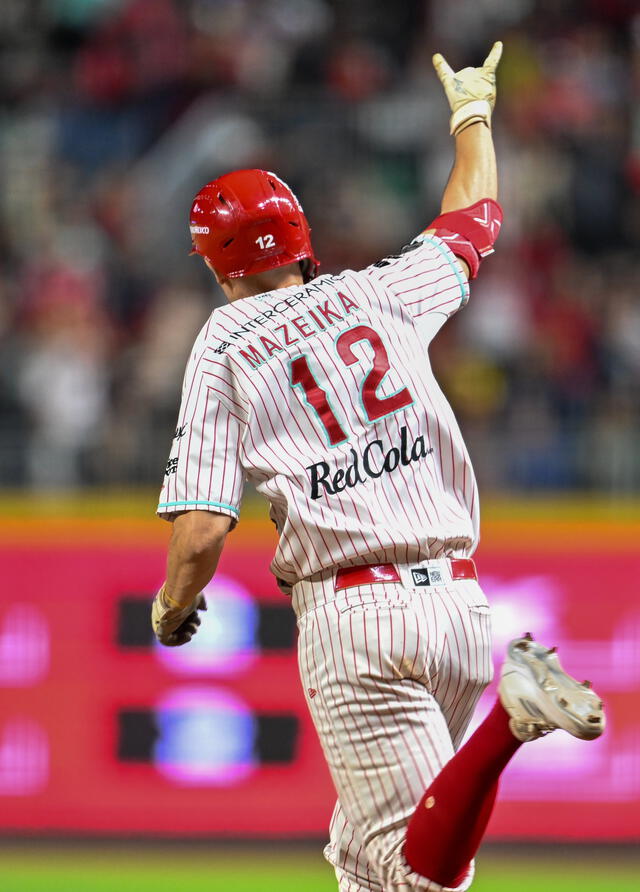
x: 427, y: 577
x: 171, y: 468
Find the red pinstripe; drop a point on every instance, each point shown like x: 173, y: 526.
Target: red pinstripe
x: 351, y: 706
x: 215, y: 434
x: 191, y: 419
x: 289, y: 467
x: 446, y: 278
x: 407, y: 267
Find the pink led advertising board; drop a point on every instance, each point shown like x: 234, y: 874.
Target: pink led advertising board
x: 102, y: 731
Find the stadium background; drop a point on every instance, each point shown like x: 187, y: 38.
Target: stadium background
x: 113, y: 113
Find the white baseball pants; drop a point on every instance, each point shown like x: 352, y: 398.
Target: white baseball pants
x: 392, y: 673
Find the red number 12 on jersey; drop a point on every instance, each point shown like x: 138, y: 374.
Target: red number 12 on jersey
x: 375, y: 407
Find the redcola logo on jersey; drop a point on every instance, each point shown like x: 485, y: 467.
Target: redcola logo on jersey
x: 373, y: 463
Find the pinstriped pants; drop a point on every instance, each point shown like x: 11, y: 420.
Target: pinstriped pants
x: 392, y: 674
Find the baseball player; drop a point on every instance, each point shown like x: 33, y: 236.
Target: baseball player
x: 319, y: 391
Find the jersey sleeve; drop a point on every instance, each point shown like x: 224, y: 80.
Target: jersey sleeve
x: 204, y: 471
x: 426, y: 276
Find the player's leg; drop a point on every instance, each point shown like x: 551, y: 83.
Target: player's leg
x: 459, y: 670
x: 466, y: 664
x: 366, y: 666
x: 449, y: 823
x: 346, y: 853
x: 446, y: 828
x: 535, y: 696
x: 464, y: 670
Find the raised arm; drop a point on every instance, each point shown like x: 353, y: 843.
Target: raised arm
x: 469, y: 208
x: 474, y: 175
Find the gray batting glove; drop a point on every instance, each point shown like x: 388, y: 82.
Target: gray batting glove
x: 174, y: 625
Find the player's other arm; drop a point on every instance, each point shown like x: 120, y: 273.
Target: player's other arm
x: 201, y: 494
x: 470, y: 216
x: 197, y: 540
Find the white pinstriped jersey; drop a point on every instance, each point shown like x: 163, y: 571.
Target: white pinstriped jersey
x: 322, y: 395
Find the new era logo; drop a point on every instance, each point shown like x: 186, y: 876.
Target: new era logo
x: 427, y: 577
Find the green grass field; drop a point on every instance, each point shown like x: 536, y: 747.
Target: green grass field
x: 110, y: 868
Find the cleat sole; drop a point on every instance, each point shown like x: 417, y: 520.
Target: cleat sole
x: 541, y: 697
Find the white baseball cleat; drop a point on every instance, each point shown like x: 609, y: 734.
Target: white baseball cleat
x: 539, y: 696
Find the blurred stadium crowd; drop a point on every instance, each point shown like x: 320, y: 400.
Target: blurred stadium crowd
x: 114, y: 113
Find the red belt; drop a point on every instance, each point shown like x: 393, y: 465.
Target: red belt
x: 366, y: 574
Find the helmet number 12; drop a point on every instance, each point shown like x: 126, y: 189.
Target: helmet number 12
x: 266, y: 241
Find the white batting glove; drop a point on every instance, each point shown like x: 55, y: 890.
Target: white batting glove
x: 471, y: 92
x: 174, y: 625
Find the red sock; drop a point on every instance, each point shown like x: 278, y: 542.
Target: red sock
x: 447, y: 827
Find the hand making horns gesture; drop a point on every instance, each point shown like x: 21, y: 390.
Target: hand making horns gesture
x: 471, y: 92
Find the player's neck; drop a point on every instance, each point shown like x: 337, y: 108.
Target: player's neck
x: 245, y: 288
x: 271, y: 280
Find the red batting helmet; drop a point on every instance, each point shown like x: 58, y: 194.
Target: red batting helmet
x: 249, y: 221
